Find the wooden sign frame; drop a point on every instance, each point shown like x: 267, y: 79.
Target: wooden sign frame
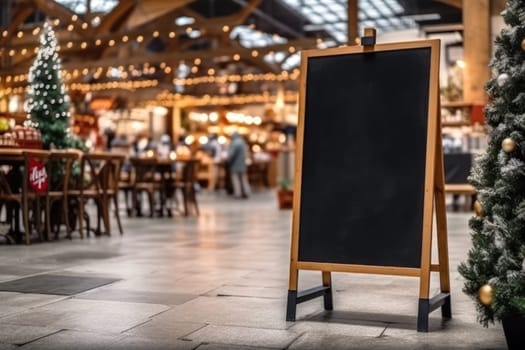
x: 434, y: 197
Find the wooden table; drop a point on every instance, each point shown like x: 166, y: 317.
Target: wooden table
x: 11, y: 180
x: 154, y: 175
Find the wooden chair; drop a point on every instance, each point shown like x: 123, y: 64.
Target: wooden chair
x: 60, y: 165
x: 125, y: 185
x: 186, y: 185
x: 145, y: 181
x: 19, y: 192
x: 93, y: 184
x: 258, y: 174
x: 110, y: 186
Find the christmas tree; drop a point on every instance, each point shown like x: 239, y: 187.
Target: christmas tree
x: 494, y: 271
x: 48, y: 104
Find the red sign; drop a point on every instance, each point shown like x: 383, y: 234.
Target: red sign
x: 38, y: 179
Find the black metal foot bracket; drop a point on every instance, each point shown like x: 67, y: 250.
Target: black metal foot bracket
x: 295, y: 298
x: 426, y: 306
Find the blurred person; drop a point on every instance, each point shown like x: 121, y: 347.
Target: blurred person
x: 108, y: 136
x: 215, y: 151
x: 165, y: 146
x: 142, y: 144
x: 121, y: 145
x: 236, y: 161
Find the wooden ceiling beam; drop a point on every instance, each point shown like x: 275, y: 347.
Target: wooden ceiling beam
x: 163, y: 24
x: 215, y: 24
x: 262, y: 64
x: 18, y: 19
x: 148, y: 11
x: 108, y: 21
x: 454, y: 3
x: 257, y: 61
x: 53, y: 9
x: 242, y: 15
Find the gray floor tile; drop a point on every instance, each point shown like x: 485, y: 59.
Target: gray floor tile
x: 314, y: 341
x: 163, y: 328
x: 66, y: 340
x: 235, y: 311
x: 6, y: 310
x: 136, y: 343
x: 88, y: 315
x: 17, y: 270
x: 244, y: 291
x: 215, y: 346
x: 257, y: 337
x: 454, y: 334
x: 18, y: 335
x: 137, y: 296
x: 332, y: 328
x: 11, y: 302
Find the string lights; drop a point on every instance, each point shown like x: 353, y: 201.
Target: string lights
x: 133, y: 71
x: 123, y: 73
x: 124, y: 85
x: 111, y: 39
x: 168, y: 99
x: 236, y: 78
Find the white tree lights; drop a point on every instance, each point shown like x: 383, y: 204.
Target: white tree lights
x: 47, y: 105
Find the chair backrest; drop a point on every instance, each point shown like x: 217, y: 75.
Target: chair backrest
x: 61, y: 167
x: 95, y: 172
x: 143, y: 169
x: 189, y: 171
x: 114, y: 167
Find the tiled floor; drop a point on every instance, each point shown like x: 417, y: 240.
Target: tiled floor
x: 219, y: 281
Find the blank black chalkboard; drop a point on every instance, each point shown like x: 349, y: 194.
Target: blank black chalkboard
x: 369, y: 170
x: 362, y: 178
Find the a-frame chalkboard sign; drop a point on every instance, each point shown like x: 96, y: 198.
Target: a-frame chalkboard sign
x: 369, y: 169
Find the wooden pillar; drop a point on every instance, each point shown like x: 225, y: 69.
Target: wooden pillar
x: 476, y: 46
x: 176, y: 124
x: 353, y: 21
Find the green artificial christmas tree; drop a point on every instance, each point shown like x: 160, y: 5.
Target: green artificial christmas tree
x: 494, y: 271
x: 48, y: 104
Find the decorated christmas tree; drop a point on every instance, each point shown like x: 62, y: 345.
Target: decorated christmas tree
x: 494, y: 271
x: 48, y: 104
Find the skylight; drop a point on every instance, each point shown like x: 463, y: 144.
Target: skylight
x: 97, y: 6
x: 331, y: 15
x: 249, y: 37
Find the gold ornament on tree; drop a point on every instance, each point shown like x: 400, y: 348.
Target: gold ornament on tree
x: 485, y: 294
x: 523, y: 44
x: 478, y: 209
x: 508, y: 145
